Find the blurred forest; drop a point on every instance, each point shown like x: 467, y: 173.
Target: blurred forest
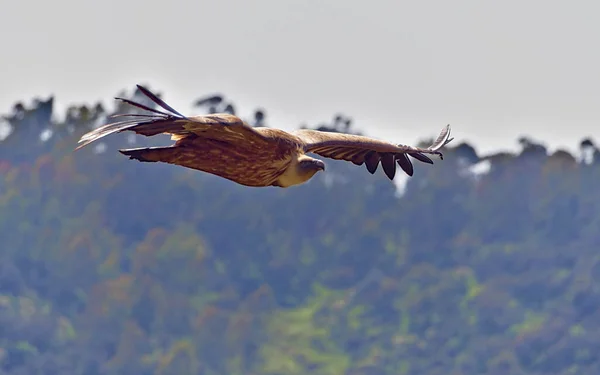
x: 481, y: 265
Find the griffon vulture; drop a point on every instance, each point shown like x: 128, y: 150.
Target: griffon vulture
x: 226, y: 146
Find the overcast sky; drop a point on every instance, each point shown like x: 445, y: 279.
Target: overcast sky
x: 494, y: 70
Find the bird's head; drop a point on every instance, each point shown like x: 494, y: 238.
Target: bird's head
x: 307, y: 166
x: 300, y: 171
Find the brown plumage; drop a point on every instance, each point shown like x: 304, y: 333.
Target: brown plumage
x: 226, y: 146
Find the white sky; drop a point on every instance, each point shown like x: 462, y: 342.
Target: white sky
x: 402, y: 70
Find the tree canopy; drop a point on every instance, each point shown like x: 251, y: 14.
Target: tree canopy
x: 483, y: 264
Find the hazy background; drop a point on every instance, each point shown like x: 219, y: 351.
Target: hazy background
x: 401, y: 69
x: 484, y: 264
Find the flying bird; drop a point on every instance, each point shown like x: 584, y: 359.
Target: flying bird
x: 224, y: 145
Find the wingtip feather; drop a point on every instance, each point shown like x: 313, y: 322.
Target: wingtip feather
x: 158, y: 100
x: 442, y: 139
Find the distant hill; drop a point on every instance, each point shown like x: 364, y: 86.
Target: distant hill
x: 484, y: 264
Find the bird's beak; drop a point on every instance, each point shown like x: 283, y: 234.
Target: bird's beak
x: 321, y: 165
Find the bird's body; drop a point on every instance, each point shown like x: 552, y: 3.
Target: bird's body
x: 247, y: 163
x: 224, y: 145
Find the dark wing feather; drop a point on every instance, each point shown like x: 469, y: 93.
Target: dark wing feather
x: 359, y: 149
x: 389, y: 167
x: 220, y: 126
x: 405, y: 163
x: 158, y: 100
x: 372, y: 161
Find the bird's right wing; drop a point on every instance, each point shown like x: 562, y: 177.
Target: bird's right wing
x: 221, y: 126
x: 359, y: 149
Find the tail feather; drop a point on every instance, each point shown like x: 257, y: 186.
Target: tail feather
x: 149, y: 154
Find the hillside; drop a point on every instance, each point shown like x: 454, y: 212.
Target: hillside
x: 110, y: 266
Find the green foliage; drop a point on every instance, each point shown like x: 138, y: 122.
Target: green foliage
x: 109, y: 266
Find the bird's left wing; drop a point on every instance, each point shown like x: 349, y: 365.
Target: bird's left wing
x: 221, y: 126
x: 359, y: 149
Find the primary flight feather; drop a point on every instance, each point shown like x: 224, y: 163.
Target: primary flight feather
x: 224, y: 145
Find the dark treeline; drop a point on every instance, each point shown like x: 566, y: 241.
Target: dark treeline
x: 110, y: 266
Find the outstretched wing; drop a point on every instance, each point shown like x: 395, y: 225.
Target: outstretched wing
x: 220, y: 126
x: 359, y: 149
